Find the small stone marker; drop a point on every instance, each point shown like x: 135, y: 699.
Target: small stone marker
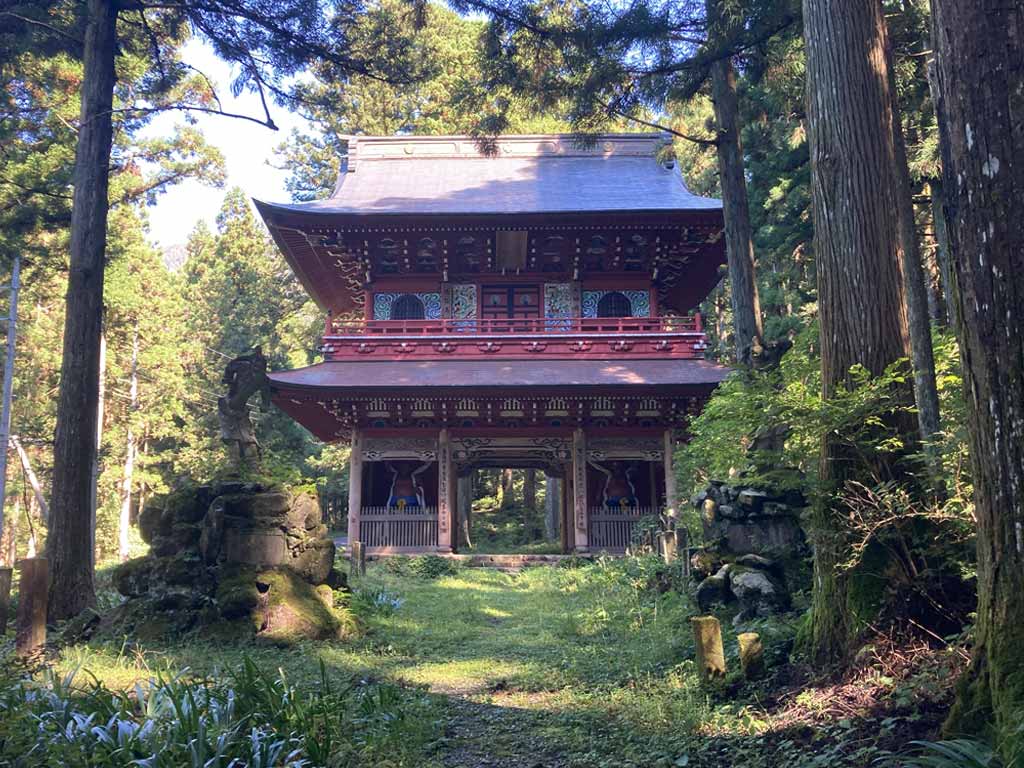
x: 33, y: 588
x: 5, y: 598
x: 707, y: 636
x: 358, y: 558
x: 751, y: 655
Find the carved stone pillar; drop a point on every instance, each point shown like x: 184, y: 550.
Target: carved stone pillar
x: 446, y: 487
x: 579, y: 489
x: 355, y: 486
x: 670, y: 473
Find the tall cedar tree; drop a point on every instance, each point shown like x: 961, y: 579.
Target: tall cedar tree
x: 979, y: 51
x: 860, y: 288
x: 268, y: 42
x: 739, y: 244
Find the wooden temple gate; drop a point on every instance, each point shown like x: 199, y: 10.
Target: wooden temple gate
x: 387, y: 522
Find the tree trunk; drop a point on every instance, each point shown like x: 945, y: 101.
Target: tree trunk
x: 926, y: 395
x: 942, y: 255
x: 101, y: 403
x: 979, y: 48
x: 746, y: 307
x: 552, y: 507
x: 9, y: 538
x: 861, y: 307
x: 70, y: 542
x: 529, y: 504
x: 33, y: 481
x: 125, y: 520
x: 505, y: 498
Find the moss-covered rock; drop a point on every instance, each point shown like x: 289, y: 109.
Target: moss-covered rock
x: 234, y: 561
x: 237, y: 595
x: 291, y: 610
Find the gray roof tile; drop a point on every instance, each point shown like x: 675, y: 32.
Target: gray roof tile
x: 521, y: 174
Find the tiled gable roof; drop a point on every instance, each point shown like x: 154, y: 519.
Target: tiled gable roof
x: 512, y: 175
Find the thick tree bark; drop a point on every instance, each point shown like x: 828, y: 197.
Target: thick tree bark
x: 746, y: 307
x: 125, y: 520
x: 926, y: 394
x: 979, y: 48
x: 70, y: 542
x: 861, y: 306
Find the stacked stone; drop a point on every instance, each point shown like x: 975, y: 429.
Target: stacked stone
x: 232, y: 557
x: 751, y: 535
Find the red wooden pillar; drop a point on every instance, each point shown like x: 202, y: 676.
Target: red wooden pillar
x: 355, y: 487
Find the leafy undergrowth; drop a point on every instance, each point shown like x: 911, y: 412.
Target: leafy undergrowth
x: 572, y: 667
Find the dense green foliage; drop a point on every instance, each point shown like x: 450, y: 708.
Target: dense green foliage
x: 245, y: 716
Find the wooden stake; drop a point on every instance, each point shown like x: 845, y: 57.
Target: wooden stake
x: 33, y: 590
x: 751, y: 655
x: 358, y: 558
x: 707, y: 636
x: 669, y: 546
x: 5, y: 598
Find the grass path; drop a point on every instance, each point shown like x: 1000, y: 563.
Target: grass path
x: 540, y: 668
x: 552, y: 667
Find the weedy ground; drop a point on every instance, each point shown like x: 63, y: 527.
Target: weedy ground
x: 577, y: 667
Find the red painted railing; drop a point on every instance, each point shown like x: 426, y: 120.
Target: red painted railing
x: 565, y: 338
x: 543, y: 325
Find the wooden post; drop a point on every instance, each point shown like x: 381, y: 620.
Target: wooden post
x: 579, y: 489
x: 751, y: 655
x: 669, y: 546
x: 357, y: 558
x: 33, y: 591
x: 355, y: 487
x: 445, y: 492
x: 707, y: 638
x: 5, y: 598
x: 668, y: 451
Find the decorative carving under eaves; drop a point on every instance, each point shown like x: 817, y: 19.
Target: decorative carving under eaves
x: 381, y: 448
x: 643, y: 449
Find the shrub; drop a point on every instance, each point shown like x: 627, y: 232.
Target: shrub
x: 432, y: 567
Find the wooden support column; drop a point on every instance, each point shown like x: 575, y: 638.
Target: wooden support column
x: 670, y: 474
x: 446, y: 489
x: 579, y: 490
x: 355, y: 487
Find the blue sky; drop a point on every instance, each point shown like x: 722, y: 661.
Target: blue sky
x: 247, y: 149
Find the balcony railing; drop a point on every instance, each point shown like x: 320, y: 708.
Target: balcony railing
x: 636, y: 337
x: 545, y: 325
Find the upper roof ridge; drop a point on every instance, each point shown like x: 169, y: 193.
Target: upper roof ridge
x: 364, y: 148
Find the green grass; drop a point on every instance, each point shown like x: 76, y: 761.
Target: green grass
x: 573, y: 667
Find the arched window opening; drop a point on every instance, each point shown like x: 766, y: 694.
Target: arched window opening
x: 614, y: 304
x: 408, y: 307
